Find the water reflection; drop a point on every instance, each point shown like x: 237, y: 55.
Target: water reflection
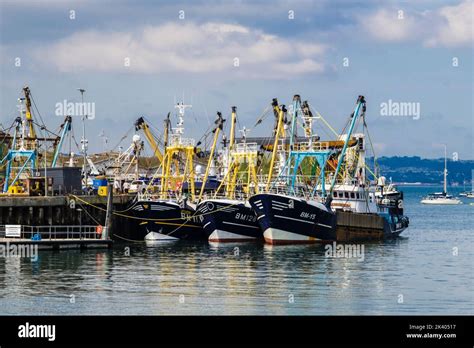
x: 238, y: 278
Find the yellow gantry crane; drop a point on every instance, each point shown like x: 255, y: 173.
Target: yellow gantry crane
x: 179, y: 153
x: 244, y: 155
x: 219, y: 126
x: 279, y: 132
x: 28, y: 117
x: 141, y: 124
x: 21, y: 159
x: 242, y: 159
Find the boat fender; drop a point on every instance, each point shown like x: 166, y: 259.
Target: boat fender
x: 99, y: 229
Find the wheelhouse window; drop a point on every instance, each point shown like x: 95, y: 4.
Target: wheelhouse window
x: 346, y: 194
x: 352, y: 195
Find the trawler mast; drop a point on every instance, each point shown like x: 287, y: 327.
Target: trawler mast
x: 360, y: 105
x: 172, y: 179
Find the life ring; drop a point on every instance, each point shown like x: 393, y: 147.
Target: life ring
x: 99, y: 229
x: 179, y: 184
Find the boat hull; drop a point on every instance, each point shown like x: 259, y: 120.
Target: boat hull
x: 359, y: 227
x: 441, y: 201
x: 166, y: 219
x: 290, y: 220
x: 228, y: 221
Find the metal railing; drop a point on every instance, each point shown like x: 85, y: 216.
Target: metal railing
x: 245, y: 147
x: 177, y: 140
x: 52, y: 232
x: 311, y: 146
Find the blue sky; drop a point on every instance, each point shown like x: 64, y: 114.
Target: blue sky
x: 399, y: 51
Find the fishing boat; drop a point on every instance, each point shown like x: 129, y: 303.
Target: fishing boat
x: 226, y: 220
x: 283, y: 210
x: 230, y: 218
x: 347, y: 209
x: 163, y: 220
x: 442, y: 198
x: 167, y: 214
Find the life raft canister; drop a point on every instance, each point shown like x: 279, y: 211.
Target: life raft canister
x: 99, y: 229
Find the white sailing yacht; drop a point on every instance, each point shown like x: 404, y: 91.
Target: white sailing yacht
x: 442, y: 198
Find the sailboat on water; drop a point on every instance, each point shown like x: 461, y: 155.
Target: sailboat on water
x: 442, y: 198
x: 468, y: 194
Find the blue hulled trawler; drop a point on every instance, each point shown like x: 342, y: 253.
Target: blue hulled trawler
x: 226, y: 215
x: 299, y: 209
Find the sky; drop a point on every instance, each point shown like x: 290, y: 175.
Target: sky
x: 137, y: 58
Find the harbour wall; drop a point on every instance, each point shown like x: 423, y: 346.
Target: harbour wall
x: 65, y: 210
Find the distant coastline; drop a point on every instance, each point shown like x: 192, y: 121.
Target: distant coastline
x: 423, y: 184
x: 417, y: 171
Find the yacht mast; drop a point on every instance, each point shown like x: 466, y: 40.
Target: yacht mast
x: 445, y: 170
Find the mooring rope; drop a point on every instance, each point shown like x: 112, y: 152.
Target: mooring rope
x: 129, y: 240
x: 150, y: 219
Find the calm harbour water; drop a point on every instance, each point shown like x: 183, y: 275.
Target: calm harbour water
x: 198, y: 278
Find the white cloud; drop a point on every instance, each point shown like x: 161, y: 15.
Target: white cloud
x: 46, y: 4
x: 446, y: 26
x: 301, y: 67
x: 185, y: 47
x: 457, y: 25
x: 385, y: 25
x: 225, y: 28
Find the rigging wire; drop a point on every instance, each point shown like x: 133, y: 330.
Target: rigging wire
x: 122, y: 138
x: 6, y: 132
x: 36, y: 108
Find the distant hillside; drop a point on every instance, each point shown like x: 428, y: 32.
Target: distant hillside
x: 429, y: 171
